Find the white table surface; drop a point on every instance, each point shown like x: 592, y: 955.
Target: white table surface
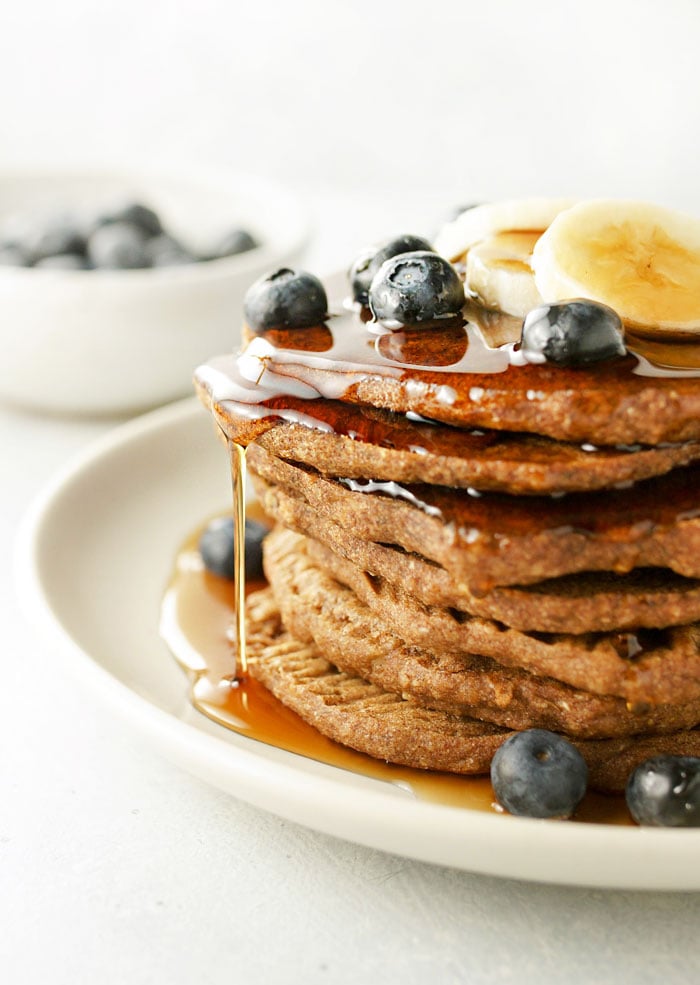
x: 117, y: 867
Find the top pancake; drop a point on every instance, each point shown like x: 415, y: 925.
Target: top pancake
x: 464, y: 372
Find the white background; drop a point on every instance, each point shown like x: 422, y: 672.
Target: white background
x: 415, y: 105
x: 114, y: 866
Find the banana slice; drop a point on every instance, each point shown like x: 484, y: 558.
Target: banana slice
x: 476, y: 224
x: 499, y: 272
x: 640, y: 259
x: 496, y: 242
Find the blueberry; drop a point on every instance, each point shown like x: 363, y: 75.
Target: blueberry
x: 63, y: 261
x: 166, y: 251
x: 135, y: 214
x: 571, y: 333
x: 290, y: 298
x: 216, y: 547
x: 415, y: 287
x: 360, y: 276
x: 117, y: 246
x: 12, y: 256
x: 369, y: 261
x: 665, y: 791
x: 235, y: 242
x: 537, y: 773
x: 56, y: 236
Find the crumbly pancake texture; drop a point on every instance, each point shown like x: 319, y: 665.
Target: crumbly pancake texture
x: 316, y: 607
x: 653, y: 667
x: 490, y: 540
x: 584, y: 603
x: 356, y: 713
x: 388, y: 446
x: 579, y: 406
x: 363, y: 716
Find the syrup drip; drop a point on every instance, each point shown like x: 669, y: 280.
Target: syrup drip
x: 238, y: 477
x: 196, y: 624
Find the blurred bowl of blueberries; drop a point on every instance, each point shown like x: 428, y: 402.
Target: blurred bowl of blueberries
x: 115, y: 286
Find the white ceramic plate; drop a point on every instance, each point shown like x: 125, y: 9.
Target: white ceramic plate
x: 95, y: 554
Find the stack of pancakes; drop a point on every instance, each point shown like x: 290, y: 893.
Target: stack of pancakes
x: 434, y: 586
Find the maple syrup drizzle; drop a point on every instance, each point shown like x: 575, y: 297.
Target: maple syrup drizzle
x: 238, y: 481
x: 328, y: 360
x: 196, y: 622
x: 299, y: 374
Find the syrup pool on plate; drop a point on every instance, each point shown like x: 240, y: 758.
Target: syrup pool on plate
x: 197, y: 623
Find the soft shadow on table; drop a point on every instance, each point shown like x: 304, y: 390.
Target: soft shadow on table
x: 128, y: 869
x: 322, y: 910
x: 464, y: 927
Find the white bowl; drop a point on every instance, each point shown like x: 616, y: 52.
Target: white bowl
x: 116, y: 341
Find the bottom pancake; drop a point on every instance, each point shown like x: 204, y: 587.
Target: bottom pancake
x: 364, y: 717
x: 356, y: 713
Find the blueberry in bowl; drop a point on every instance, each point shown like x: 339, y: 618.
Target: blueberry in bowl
x: 136, y: 214
x: 61, y: 234
x: 231, y: 244
x: 128, y: 237
x: 118, y: 246
x: 165, y: 250
x: 85, y: 338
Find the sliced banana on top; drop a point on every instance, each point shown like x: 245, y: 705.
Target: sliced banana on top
x: 496, y: 242
x: 498, y: 271
x: 482, y: 221
x: 640, y: 259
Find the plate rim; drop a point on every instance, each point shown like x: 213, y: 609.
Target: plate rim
x: 493, y: 844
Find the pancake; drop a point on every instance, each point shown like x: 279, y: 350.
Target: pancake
x: 315, y: 607
x: 488, y: 545
x: 483, y: 541
x: 652, y: 667
x: 356, y: 713
x: 368, y: 441
x: 582, y: 603
x: 448, y: 372
x: 365, y: 717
